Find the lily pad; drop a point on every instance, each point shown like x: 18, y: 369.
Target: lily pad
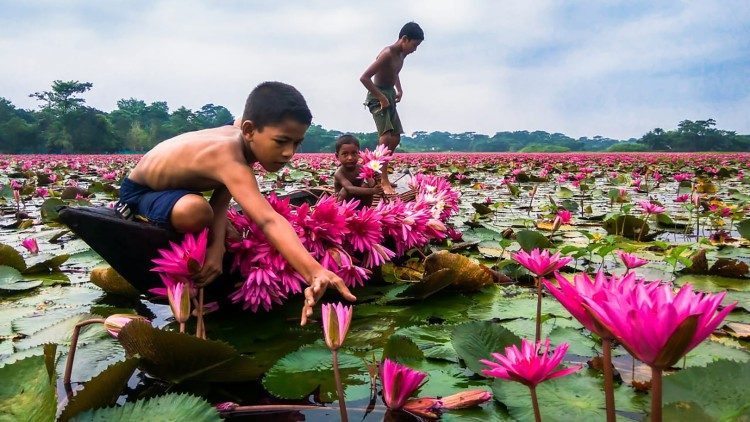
x: 310, y: 368
x: 708, y: 388
x: 743, y: 227
x: 530, y: 239
x: 11, y: 281
x: 628, y: 226
x: 45, y: 263
x: 26, y: 393
x: 467, y: 274
x: 576, y: 397
x: 430, y: 285
x: 49, y: 208
x: 170, y: 407
x: 112, y: 282
x: 433, y: 340
x: 402, y: 349
x: 714, y: 283
x: 712, y: 351
x: 102, y: 391
x: 177, y: 357
x: 477, y: 340
x: 11, y: 258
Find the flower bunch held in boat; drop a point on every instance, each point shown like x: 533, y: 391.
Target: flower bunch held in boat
x: 183, y: 259
x: 530, y: 366
x: 30, y: 244
x: 373, y: 161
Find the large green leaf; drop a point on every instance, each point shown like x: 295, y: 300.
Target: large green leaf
x: 102, y: 391
x: 721, y: 389
x: 530, y: 239
x: 171, y: 407
x: 177, y: 357
x: 44, y: 263
x: 714, y: 283
x: 402, y: 349
x: 11, y: 280
x: 712, y: 351
x: 62, y: 332
x: 49, y: 208
x: 11, y: 258
x: 433, y: 340
x: 744, y: 228
x: 477, y: 340
x: 577, y: 397
x: 26, y: 393
x: 310, y: 368
x: 430, y: 285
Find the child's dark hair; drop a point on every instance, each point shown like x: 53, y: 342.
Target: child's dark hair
x: 346, y: 140
x: 412, y: 31
x: 273, y: 102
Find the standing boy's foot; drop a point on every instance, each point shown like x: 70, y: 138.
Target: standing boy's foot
x: 387, y: 188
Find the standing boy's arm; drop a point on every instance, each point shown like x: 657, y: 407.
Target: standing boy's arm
x: 240, y: 180
x: 399, y: 91
x: 213, y: 264
x: 366, y: 78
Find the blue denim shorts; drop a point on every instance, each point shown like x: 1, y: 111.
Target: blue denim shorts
x: 155, y: 206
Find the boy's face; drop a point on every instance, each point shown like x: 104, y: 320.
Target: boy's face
x: 348, y: 155
x: 410, y: 46
x: 274, y: 145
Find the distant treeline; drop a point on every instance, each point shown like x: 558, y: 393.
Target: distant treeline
x: 65, y: 124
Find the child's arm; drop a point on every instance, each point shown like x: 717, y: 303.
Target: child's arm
x: 356, y: 190
x: 213, y: 265
x: 240, y: 181
x: 366, y: 78
x: 399, y: 91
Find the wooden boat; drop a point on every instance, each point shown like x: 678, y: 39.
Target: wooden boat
x: 128, y: 245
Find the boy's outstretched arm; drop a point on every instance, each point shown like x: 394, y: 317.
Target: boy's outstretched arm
x: 357, y: 190
x: 241, y: 183
x: 213, y: 265
x: 366, y: 78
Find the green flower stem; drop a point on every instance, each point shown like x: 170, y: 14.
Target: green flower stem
x: 200, y: 328
x: 73, y: 343
x: 535, y: 404
x: 655, y: 394
x: 339, y: 387
x: 538, y: 335
x: 609, y: 388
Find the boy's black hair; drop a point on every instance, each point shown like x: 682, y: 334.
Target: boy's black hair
x: 273, y: 102
x: 412, y: 31
x: 346, y: 140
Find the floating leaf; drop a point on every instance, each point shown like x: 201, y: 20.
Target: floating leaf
x: 737, y: 329
x: 401, y: 349
x: 467, y: 274
x: 729, y: 268
x: 170, y: 407
x: 430, y: 285
x: 576, y: 397
x: 102, y: 391
x: 563, y: 192
x: 49, y: 208
x: 26, y: 393
x: 13, y: 281
x: 477, y: 340
x: 112, y: 282
x: 176, y: 357
x: 530, y: 239
x: 482, y: 209
x: 743, y: 227
x: 708, y: 388
x: 433, y: 340
x: 712, y: 351
x: 45, y: 263
x: 628, y: 226
x: 298, y: 374
x: 714, y: 283
x: 11, y: 258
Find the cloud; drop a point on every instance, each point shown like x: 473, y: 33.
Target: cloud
x: 616, y: 69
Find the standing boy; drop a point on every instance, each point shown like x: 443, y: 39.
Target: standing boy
x: 384, y: 90
x: 346, y: 181
x: 166, y: 183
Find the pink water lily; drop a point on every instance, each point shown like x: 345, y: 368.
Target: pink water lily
x: 631, y: 261
x: 178, y: 294
x: 336, y: 320
x: 531, y: 365
x: 114, y: 323
x: 184, y: 259
x: 30, y: 244
x: 564, y: 216
x: 650, y: 208
x: 539, y: 262
x: 399, y: 383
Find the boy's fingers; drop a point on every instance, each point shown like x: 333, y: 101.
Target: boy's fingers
x: 341, y: 287
x: 309, y: 297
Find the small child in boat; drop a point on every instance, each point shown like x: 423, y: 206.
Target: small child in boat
x: 346, y: 181
x: 165, y: 186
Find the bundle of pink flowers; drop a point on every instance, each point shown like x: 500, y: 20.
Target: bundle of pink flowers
x: 346, y: 240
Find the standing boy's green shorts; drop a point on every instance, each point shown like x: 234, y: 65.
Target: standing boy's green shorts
x: 385, y: 120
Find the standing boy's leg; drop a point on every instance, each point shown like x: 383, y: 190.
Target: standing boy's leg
x: 391, y: 140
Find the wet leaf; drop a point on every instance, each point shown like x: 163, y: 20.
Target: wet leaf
x: 729, y: 268
x: 11, y: 258
x: 628, y: 226
x: 170, y: 407
x: 48, y: 210
x: 26, y: 393
x: 402, y: 349
x: 177, y: 357
x: 743, y: 227
x: 112, y: 282
x: 477, y: 340
x: 530, y: 239
x: 45, y: 263
x: 310, y: 368
x: 739, y: 330
x: 467, y: 275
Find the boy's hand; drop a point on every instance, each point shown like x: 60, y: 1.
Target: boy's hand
x: 398, y: 96
x: 378, y: 190
x: 320, y: 282
x: 384, y: 103
x: 212, y: 266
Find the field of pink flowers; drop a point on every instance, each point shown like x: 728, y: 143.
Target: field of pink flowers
x: 512, y: 287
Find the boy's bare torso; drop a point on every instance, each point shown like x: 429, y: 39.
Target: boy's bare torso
x: 350, y: 175
x: 191, y: 160
x: 387, y: 72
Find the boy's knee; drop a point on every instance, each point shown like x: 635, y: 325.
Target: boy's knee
x: 192, y: 213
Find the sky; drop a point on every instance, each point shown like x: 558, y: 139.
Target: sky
x: 583, y: 68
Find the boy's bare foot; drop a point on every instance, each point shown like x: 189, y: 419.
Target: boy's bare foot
x: 387, y: 188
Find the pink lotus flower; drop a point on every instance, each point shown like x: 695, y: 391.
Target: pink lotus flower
x: 541, y: 263
x: 178, y: 294
x: 564, y: 216
x: 42, y: 192
x: 656, y: 325
x: 399, y: 382
x: 527, y: 365
x: 682, y: 198
x: 184, y: 259
x: 114, y: 323
x: 30, y: 244
x: 680, y: 177
x: 631, y: 261
x: 336, y: 320
x: 651, y: 208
